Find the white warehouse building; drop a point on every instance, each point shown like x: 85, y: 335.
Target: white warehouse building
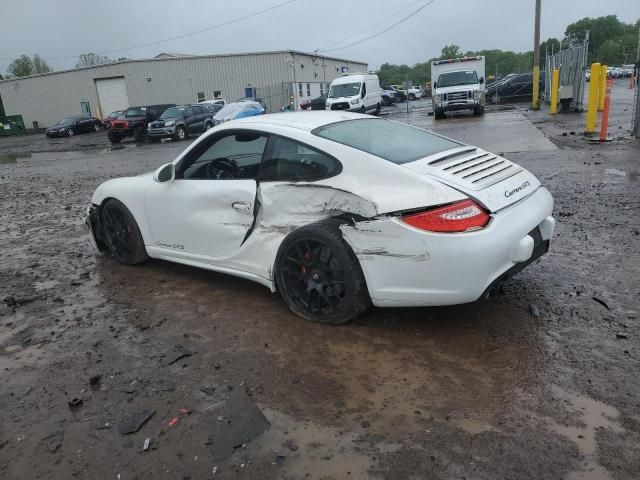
x: 274, y: 78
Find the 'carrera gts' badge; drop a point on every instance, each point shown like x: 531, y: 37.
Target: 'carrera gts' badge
x: 508, y: 193
x: 176, y: 246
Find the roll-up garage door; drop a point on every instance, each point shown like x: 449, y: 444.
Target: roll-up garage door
x: 112, y: 93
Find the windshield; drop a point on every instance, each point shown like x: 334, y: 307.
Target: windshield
x: 173, y: 112
x: 135, y: 112
x: 344, y: 90
x: 67, y: 121
x: 392, y: 141
x: 452, y: 79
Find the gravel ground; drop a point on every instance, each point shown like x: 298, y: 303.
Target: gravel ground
x: 540, y: 382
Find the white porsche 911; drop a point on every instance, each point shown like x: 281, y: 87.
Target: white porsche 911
x: 335, y: 211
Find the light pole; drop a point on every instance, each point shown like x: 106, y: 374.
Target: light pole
x: 535, y: 101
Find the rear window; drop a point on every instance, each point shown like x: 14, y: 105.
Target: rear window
x: 395, y: 142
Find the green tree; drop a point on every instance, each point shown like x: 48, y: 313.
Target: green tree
x: 450, y: 51
x: 607, y: 35
x: 21, y: 66
x: 40, y: 65
x: 92, y: 59
x: 25, y: 65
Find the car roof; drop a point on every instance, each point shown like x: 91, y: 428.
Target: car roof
x: 302, y: 120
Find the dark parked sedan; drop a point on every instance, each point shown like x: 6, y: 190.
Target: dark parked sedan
x: 518, y: 87
x: 73, y: 125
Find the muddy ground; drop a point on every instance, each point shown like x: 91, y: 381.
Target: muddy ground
x: 540, y: 382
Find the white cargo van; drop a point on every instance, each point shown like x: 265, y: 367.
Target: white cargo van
x: 458, y: 84
x: 355, y: 92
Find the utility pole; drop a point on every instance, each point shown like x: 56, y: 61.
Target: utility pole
x: 535, y: 101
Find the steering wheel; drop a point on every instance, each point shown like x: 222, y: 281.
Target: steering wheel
x: 222, y: 169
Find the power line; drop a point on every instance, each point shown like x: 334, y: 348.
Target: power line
x: 357, y: 34
x: 393, y: 25
x: 157, y: 42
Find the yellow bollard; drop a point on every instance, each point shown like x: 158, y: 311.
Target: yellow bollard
x: 535, y: 100
x: 555, y: 85
x: 603, y: 87
x: 592, y: 103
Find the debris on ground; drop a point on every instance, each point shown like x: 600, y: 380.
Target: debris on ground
x: 534, y: 311
x: 622, y: 335
x: 133, y: 423
x: 145, y: 445
x: 601, y: 302
x: 179, y: 352
x: 75, y: 403
x: 291, y: 445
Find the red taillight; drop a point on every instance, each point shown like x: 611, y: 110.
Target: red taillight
x: 462, y: 216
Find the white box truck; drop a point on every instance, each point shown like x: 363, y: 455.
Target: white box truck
x: 458, y: 84
x: 356, y: 93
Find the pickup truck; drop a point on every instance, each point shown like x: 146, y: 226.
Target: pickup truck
x: 134, y: 122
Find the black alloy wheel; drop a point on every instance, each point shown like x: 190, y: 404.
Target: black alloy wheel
x: 121, y: 233
x: 319, y: 277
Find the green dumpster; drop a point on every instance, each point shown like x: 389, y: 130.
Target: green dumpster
x: 11, y: 125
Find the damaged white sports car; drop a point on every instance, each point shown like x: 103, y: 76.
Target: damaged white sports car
x: 335, y: 211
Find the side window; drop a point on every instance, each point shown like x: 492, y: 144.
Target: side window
x: 201, y: 110
x: 232, y: 157
x: 188, y: 112
x: 289, y: 160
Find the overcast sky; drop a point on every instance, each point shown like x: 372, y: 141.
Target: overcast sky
x: 60, y: 28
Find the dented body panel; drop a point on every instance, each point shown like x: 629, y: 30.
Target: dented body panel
x: 405, y: 266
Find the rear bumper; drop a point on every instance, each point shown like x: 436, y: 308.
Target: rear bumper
x: 405, y: 266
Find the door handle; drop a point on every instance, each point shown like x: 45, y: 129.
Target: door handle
x: 242, y: 207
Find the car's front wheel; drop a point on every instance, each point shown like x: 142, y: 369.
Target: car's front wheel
x: 319, y: 276
x: 121, y: 233
x: 181, y: 133
x: 70, y: 132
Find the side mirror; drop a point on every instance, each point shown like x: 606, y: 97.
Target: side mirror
x: 435, y: 84
x: 166, y: 173
x: 481, y: 80
x: 76, y: 122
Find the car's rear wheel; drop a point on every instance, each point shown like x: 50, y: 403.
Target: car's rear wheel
x: 319, y: 277
x: 121, y: 233
x: 208, y: 126
x: 139, y: 134
x: 96, y: 127
x: 412, y: 96
x: 386, y: 101
x: 70, y: 132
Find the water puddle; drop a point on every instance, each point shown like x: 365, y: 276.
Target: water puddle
x: 474, y: 426
x: 318, y: 451
x: 49, y: 156
x: 594, y: 415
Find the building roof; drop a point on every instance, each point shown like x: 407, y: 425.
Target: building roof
x: 185, y: 57
x: 172, y: 55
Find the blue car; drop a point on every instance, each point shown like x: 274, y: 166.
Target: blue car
x: 233, y: 111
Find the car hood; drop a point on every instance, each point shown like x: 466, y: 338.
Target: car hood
x: 490, y: 179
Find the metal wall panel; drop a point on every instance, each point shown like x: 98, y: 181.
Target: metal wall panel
x: 50, y: 97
